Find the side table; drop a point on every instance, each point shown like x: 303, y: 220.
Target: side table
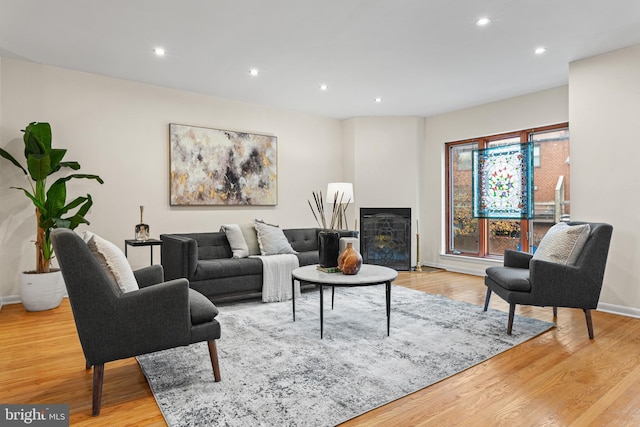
x: 149, y: 242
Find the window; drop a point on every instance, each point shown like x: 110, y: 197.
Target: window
x: 464, y: 160
x: 536, y: 155
x: 489, y: 238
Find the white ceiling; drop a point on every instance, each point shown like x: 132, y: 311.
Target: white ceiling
x: 422, y: 57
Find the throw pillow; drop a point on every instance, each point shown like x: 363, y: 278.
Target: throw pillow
x: 236, y: 240
x: 271, y: 239
x: 563, y: 243
x: 251, y: 238
x: 111, y: 258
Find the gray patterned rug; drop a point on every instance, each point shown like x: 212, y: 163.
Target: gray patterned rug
x: 276, y: 372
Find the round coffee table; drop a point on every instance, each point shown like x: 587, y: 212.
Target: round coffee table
x: 367, y: 276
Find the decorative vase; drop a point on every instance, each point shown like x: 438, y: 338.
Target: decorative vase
x: 350, y: 260
x: 142, y: 229
x: 328, y: 248
x: 41, y: 291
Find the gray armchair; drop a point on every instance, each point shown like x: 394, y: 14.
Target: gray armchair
x: 114, y: 325
x: 526, y: 281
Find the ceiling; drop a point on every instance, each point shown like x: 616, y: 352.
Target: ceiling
x: 422, y: 57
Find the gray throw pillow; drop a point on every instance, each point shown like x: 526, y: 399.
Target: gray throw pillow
x: 271, y: 239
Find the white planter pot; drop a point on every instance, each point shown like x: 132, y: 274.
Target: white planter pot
x: 42, y: 291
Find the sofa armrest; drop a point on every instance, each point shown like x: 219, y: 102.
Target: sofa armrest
x: 179, y: 256
x: 149, y: 275
x: 516, y: 259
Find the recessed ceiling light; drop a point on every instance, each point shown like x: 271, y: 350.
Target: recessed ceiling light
x: 483, y: 21
x: 254, y: 72
x: 378, y: 100
x: 159, y: 51
x: 324, y: 87
x: 540, y: 50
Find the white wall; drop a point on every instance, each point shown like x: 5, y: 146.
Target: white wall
x: 604, y: 105
x: 119, y: 130
x: 537, y: 109
x: 385, y: 163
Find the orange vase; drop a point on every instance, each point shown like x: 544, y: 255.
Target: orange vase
x: 350, y: 260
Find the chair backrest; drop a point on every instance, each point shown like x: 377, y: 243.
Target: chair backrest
x: 92, y: 293
x: 593, y: 257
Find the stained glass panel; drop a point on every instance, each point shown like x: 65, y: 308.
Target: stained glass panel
x: 503, y: 182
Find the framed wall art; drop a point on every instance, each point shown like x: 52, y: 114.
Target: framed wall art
x: 222, y: 167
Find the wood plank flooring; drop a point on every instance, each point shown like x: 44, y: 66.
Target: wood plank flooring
x: 560, y: 378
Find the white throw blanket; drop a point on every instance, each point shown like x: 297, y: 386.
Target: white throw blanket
x: 276, y: 276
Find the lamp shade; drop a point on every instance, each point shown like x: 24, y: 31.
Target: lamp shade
x: 344, y: 190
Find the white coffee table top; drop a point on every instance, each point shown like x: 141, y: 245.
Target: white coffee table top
x: 369, y: 274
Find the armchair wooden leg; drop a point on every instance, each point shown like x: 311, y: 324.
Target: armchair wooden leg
x: 98, y: 378
x: 587, y: 315
x: 555, y: 312
x: 213, y: 353
x: 486, y: 299
x: 87, y: 366
x: 512, y: 312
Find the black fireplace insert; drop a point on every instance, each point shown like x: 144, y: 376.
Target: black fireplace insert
x: 385, y: 237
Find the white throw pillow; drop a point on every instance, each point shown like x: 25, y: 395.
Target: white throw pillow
x: 563, y: 243
x: 113, y: 261
x: 236, y: 240
x: 251, y: 238
x: 271, y: 239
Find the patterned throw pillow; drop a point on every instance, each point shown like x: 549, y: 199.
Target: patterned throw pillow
x: 563, y: 243
x: 112, y: 260
x: 271, y: 239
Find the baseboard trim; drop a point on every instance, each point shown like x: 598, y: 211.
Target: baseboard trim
x: 457, y: 269
x: 15, y: 299
x: 619, y: 309
x: 11, y: 299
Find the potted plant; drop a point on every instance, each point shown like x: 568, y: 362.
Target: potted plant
x: 52, y: 211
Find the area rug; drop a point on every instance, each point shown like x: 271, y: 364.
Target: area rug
x: 276, y: 372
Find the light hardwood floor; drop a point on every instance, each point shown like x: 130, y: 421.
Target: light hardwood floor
x: 560, y: 378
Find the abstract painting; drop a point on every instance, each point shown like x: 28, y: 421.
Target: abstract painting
x: 503, y: 182
x: 222, y: 167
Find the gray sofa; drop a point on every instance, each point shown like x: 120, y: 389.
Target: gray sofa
x: 205, y: 259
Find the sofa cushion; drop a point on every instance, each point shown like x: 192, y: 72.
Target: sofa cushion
x: 227, y: 267
x: 308, y: 258
x: 113, y: 261
x: 212, y: 245
x: 302, y: 239
x: 236, y: 240
x: 563, y: 243
x: 513, y: 279
x: 272, y: 240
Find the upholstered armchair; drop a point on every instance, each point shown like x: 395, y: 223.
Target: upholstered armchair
x: 113, y: 324
x: 574, y: 282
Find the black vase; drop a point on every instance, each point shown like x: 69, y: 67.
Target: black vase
x: 328, y: 248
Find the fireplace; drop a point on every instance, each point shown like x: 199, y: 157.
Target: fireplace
x: 385, y: 237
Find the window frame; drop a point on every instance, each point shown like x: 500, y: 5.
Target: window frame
x: 483, y: 223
